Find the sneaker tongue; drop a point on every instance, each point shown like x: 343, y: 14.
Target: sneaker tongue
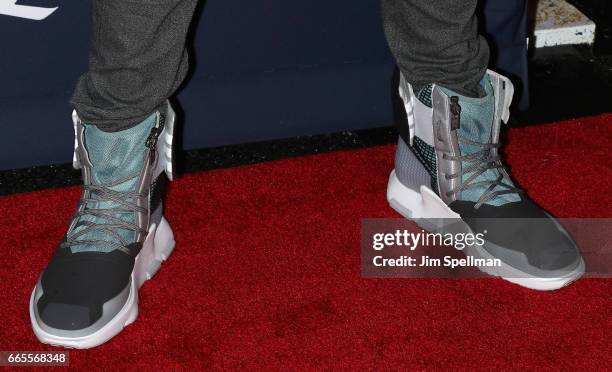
x: 114, y: 156
x: 477, y: 116
x: 477, y: 121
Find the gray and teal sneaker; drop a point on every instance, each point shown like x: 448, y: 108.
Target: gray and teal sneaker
x: 448, y: 168
x: 117, y: 238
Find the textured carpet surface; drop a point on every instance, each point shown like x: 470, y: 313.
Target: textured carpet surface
x: 266, y: 272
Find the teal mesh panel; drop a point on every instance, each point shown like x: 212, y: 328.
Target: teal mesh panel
x: 426, y: 155
x: 114, y: 156
x: 477, y: 116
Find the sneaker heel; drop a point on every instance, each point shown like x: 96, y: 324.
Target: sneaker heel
x: 417, y: 205
x: 164, y: 241
x: 153, y: 253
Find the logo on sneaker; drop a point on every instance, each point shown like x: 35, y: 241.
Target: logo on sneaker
x: 36, y: 13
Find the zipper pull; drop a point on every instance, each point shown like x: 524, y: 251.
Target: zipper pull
x: 455, y: 110
x: 151, y: 141
x: 155, y: 132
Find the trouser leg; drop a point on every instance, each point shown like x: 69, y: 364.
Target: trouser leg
x: 138, y: 59
x: 437, y: 41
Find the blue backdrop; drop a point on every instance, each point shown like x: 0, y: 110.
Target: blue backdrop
x: 264, y: 69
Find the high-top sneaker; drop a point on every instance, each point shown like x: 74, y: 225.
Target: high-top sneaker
x: 448, y: 168
x: 117, y: 238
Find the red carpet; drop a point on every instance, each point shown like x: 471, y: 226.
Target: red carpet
x: 266, y: 272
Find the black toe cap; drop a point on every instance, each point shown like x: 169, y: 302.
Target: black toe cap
x: 75, y: 287
x: 66, y: 316
x: 525, y: 228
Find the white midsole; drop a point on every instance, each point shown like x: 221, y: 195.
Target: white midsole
x: 420, y: 206
x: 158, y: 245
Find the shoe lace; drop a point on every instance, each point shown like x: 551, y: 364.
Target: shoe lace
x: 106, y: 219
x: 479, y: 162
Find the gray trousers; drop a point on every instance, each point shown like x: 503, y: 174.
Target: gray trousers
x: 138, y: 57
